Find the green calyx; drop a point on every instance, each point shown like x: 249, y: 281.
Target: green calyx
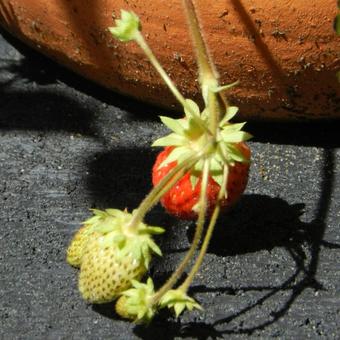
x: 178, y: 300
x: 191, y: 135
x: 113, y: 225
x: 127, y: 27
x: 136, y: 303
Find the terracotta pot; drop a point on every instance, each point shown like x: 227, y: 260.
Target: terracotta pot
x: 285, y: 53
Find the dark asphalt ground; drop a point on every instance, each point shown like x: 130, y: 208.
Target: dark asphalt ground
x: 66, y: 145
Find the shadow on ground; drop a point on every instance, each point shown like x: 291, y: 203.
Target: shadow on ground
x: 258, y: 222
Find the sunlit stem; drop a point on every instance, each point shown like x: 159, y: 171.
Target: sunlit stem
x: 148, y: 52
x: 197, y: 237
x: 208, y: 76
x: 186, y: 284
x: 160, y: 190
x: 206, y: 71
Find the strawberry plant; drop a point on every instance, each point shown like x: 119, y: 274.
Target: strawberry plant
x: 202, y: 170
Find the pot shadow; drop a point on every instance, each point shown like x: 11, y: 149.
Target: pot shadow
x: 323, y: 134
x: 27, y: 111
x: 26, y: 105
x: 257, y: 223
x: 37, y: 68
x: 128, y: 168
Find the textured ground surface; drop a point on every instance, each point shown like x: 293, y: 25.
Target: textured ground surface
x: 65, y: 146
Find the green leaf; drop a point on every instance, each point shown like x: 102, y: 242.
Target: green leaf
x: 173, y: 124
x: 146, y: 255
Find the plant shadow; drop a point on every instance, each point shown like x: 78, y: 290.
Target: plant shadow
x: 260, y: 222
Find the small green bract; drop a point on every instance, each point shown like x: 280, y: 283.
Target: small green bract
x: 179, y: 301
x: 135, y: 303
x: 127, y: 27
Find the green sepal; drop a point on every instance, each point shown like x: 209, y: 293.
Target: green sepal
x: 137, y: 301
x: 193, y: 180
x: 218, y: 179
x: 235, y: 137
x: 154, y: 247
x: 176, y: 125
x: 179, y: 301
x: 195, y: 128
x: 114, y: 212
x: 216, y: 172
x: 236, y: 155
x: 152, y: 230
x: 191, y: 108
x: 231, y: 112
x: 179, y: 155
x: 233, y: 127
x: 172, y: 139
x: 224, y: 87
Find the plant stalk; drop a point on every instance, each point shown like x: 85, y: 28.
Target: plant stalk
x: 197, y: 237
x: 208, y: 75
x: 148, y: 52
x: 187, y: 282
x: 160, y: 190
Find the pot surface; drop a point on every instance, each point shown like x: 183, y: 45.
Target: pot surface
x: 284, y: 53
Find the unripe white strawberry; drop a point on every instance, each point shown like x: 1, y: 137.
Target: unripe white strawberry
x: 114, y: 256
x: 76, y: 248
x: 122, y: 310
x: 102, y: 222
x: 106, y: 271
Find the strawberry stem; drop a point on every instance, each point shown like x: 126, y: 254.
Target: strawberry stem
x: 148, y: 52
x: 186, y: 284
x: 208, y: 75
x: 197, y: 237
x: 160, y: 190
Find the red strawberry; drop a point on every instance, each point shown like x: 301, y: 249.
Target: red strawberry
x: 182, y: 197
